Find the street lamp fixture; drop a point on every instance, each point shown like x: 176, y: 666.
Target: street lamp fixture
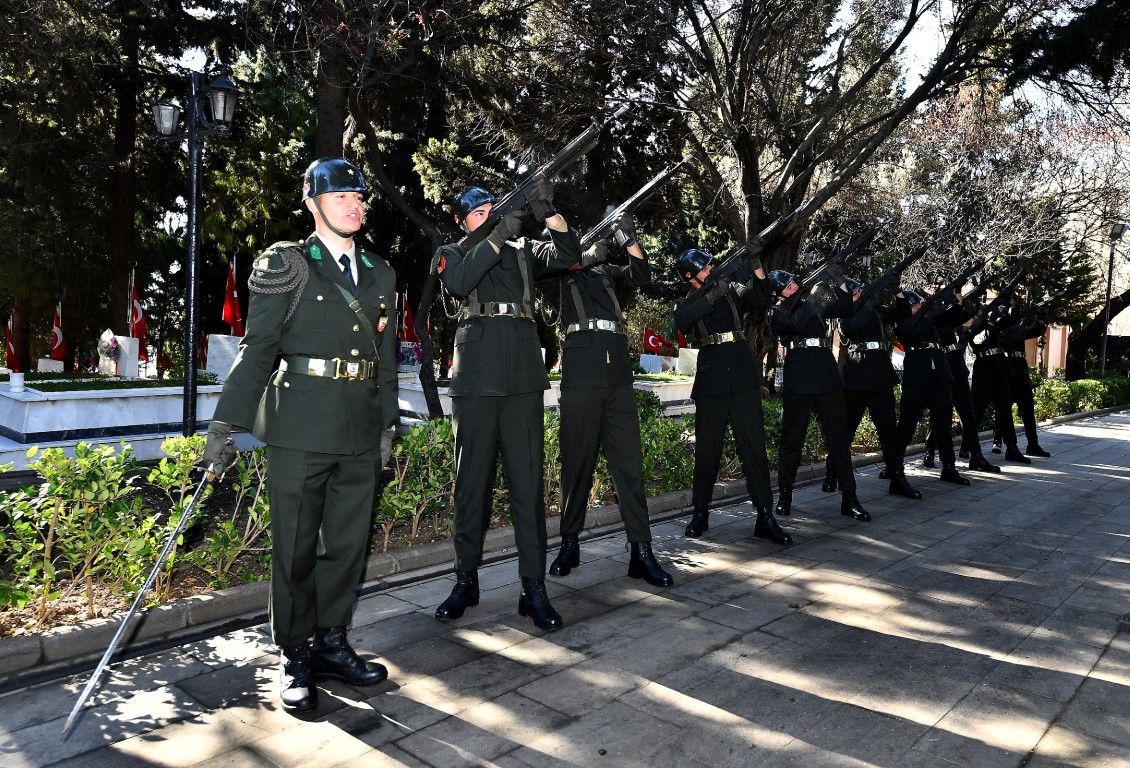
x: 1117, y: 230
x: 209, y: 111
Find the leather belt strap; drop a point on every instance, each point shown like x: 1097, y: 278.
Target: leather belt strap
x: 864, y: 345
x: 611, y: 326
x: 1017, y: 353
x: 988, y: 352
x: 925, y: 345
x: 494, y: 309
x: 813, y: 342
x: 951, y: 347
x: 334, y: 368
x: 722, y: 338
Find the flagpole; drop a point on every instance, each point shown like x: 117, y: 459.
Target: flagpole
x: 129, y: 303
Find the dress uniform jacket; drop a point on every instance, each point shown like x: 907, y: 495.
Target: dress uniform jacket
x: 810, y: 370
x: 289, y: 408
x: 924, y: 363
x: 926, y: 382
x: 1015, y: 330
x: 724, y: 369
x: 868, y: 369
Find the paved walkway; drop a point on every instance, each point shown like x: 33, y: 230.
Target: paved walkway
x: 977, y: 627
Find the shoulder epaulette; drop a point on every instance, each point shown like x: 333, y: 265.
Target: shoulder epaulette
x: 281, y: 269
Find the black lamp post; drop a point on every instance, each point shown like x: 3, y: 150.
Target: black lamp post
x: 1116, y: 232
x: 221, y: 97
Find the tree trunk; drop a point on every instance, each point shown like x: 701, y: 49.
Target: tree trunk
x: 1090, y: 337
x: 331, y: 84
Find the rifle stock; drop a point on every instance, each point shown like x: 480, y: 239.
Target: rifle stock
x: 516, y: 198
x: 608, y: 225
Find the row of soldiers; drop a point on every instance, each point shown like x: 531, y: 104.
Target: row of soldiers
x: 315, y: 380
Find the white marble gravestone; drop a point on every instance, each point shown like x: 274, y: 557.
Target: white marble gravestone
x: 222, y: 350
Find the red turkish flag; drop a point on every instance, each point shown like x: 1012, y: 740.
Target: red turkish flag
x: 683, y: 341
x: 163, y: 363
x: 13, y: 359
x: 653, y: 342
x: 408, y: 333
x: 137, y: 326
x: 58, y: 345
x: 232, y: 315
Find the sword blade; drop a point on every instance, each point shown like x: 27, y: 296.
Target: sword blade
x: 93, y: 681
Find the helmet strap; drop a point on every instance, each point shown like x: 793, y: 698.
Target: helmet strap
x: 326, y: 221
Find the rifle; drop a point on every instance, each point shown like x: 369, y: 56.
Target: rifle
x: 513, y: 200
x: 885, y: 279
x: 829, y: 268
x: 516, y: 198
x: 606, y: 227
x: 1033, y: 311
x: 1000, y: 298
x: 728, y: 268
x: 938, y: 295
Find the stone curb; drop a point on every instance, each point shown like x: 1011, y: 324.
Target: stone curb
x: 65, y: 650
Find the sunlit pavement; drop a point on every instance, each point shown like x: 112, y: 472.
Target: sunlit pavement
x: 977, y: 627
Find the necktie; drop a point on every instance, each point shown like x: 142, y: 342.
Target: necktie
x: 348, y: 272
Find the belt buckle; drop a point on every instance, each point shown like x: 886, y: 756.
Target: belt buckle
x: 812, y: 342
x: 316, y: 367
x: 346, y: 369
x: 503, y: 309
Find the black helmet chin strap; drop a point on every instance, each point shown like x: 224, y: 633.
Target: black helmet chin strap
x: 326, y: 221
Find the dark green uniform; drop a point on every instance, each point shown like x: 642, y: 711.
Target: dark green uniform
x: 598, y: 401
x: 322, y: 434
x: 497, y: 386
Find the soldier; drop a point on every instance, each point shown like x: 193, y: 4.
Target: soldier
x: 496, y: 389
x: 598, y: 401
x: 323, y: 307
x: 727, y: 388
x: 991, y: 378
x: 869, y: 384
x: 812, y: 380
x: 926, y: 382
x: 1017, y: 327
x: 949, y: 322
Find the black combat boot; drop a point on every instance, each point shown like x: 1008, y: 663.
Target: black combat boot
x: 768, y: 528
x: 568, y: 557
x: 1034, y: 449
x: 978, y: 463
x: 784, y: 501
x: 850, y: 507
x: 643, y: 565
x: 928, y: 460
x: 534, y: 602
x: 332, y: 656
x: 884, y: 474
x: 950, y: 475
x: 900, y: 486
x: 1012, y: 453
x: 963, y: 452
x: 699, y: 524
x: 996, y: 446
x: 829, y: 484
x: 296, y: 683
x: 463, y: 595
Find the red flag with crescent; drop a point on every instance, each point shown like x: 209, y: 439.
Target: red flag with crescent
x: 408, y: 333
x: 653, y: 342
x: 137, y: 325
x: 232, y: 315
x: 13, y: 359
x: 58, y: 344
x: 683, y: 341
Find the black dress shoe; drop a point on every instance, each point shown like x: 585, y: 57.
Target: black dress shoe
x: 1036, y: 450
x: 296, y: 682
x: 784, y: 501
x: 332, y: 657
x: 901, y: 487
x: 928, y: 460
x: 643, y: 565
x: 996, y: 448
x: 534, y: 602
x: 963, y: 452
x: 699, y: 524
x: 769, y: 529
x: 464, y: 595
x: 829, y: 484
x: 850, y: 506
x: 884, y: 474
x: 950, y: 475
x: 568, y: 557
x: 1012, y: 453
x: 978, y: 463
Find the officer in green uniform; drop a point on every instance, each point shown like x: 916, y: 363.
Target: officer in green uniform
x: 497, y: 389
x: 323, y: 308
x: 598, y: 401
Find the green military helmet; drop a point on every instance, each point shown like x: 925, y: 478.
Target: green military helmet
x: 333, y: 174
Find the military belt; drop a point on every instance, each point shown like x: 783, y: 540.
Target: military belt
x: 334, y: 368
x: 495, y: 309
x: 813, y: 342
x: 722, y: 338
x: 865, y: 345
x: 951, y: 347
x: 612, y: 326
x: 925, y: 345
x: 1017, y: 353
x: 988, y: 352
